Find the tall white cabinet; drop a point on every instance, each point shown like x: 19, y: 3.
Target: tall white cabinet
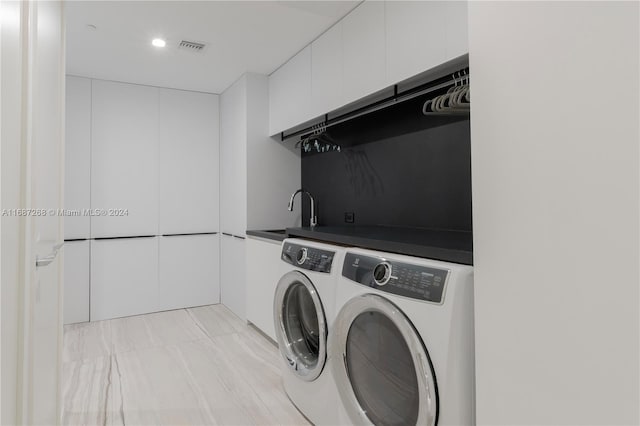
x: 189, y: 171
x: 257, y: 173
x: 77, y: 190
x: 77, y: 184
x: 124, y: 158
x: 145, y: 160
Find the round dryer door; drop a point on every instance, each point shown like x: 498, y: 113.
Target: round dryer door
x: 301, y: 327
x: 384, y: 375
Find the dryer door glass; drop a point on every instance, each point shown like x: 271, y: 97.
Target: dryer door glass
x: 300, y: 325
x: 382, y: 369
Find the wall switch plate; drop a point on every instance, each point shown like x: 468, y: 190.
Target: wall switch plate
x: 349, y: 217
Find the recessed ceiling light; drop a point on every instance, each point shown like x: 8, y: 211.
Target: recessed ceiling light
x: 158, y: 42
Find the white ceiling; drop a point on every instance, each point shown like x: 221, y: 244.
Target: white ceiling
x: 241, y: 36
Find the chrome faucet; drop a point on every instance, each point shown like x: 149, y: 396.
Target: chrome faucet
x: 314, y: 220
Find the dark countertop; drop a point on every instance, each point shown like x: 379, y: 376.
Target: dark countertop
x: 274, y: 234
x: 448, y: 246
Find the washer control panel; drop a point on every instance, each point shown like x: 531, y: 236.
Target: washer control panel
x: 309, y: 258
x: 403, y: 279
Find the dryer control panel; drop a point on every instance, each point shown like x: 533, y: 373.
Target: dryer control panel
x: 403, y: 279
x: 310, y: 258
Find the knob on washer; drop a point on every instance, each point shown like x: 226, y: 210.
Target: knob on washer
x: 382, y: 273
x: 301, y: 256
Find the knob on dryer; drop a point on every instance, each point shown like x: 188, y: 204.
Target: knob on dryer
x: 301, y: 256
x: 382, y: 273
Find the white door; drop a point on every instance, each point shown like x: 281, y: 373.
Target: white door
x: 42, y: 189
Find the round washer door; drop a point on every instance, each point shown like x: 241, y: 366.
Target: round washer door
x: 382, y: 369
x: 301, y: 327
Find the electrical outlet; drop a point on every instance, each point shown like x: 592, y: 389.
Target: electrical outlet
x: 349, y: 217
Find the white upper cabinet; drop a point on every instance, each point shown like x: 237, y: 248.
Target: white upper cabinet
x: 290, y: 93
x: 416, y: 34
x: 124, y: 159
x: 457, y: 19
x: 375, y: 46
x: 77, y: 190
x: 326, y: 71
x: 423, y: 34
x: 189, y: 150
x: 363, y: 41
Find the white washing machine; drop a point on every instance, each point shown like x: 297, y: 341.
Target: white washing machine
x: 402, y: 342
x: 304, y: 308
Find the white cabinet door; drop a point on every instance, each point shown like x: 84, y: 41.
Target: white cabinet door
x: 290, y: 93
x: 124, y: 158
x: 239, y: 179
x: 233, y: 148
x: 189, y: 161
x: 457, y: 28
x: 416, y: 37
x: 77, y: 195
x: 363, y: 42
x: 229, y: 136
x: 189, y: 273
x: 423, y: 34
x: 76, y: 281
x: 326, y: 71
x: 233, y: 285
x: 124, y: 277
x: 263, y: 274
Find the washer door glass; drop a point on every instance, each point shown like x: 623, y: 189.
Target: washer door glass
x: 386, y: 377
x: 300, y: 325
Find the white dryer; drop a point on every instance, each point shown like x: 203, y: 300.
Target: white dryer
x: 304, y: 307
x: 402, y: 342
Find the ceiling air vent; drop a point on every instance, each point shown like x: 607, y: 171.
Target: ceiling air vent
x: 191, y: 46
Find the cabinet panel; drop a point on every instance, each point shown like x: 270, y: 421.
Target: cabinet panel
x: 124, y: 277
x: 189, y: 152
x: 363, y: 41
x: 233, y: 281
x: 233, y: 153
x: 231, y: 119
x: 189, y: 272
x: 326, y: 71
x: 416, y: 34
x: 124, y: 158
x: 77, y: 190
x: 263, y: 274
x: 76, y: 282
x: 289, y: 93
x: 457, y: 29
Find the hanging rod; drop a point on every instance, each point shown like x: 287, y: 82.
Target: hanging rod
x: 396, y: 98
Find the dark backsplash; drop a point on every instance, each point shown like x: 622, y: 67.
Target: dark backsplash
x: 396, y: 168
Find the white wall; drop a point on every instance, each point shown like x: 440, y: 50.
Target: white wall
x: 555, y: 157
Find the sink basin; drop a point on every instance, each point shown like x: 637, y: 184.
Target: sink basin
x: 277, y: 231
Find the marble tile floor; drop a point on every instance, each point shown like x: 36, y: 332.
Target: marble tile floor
x: 198, y: 366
